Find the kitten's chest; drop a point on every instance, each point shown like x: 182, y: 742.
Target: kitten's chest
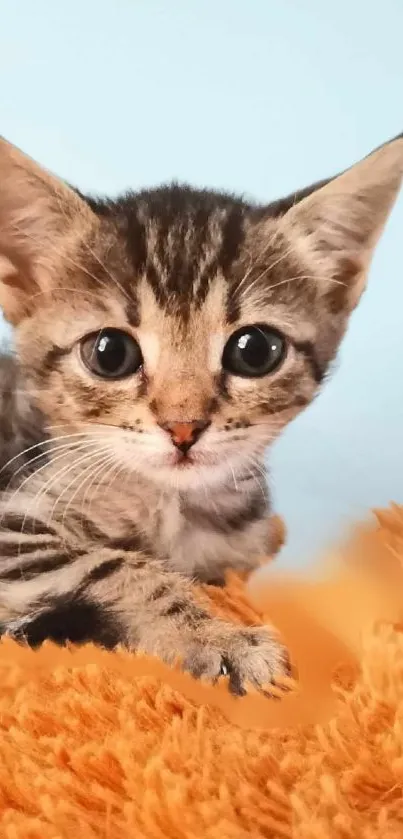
x: 203, y: 540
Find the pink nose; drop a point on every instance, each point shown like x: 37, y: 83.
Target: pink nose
x: 185, y: 434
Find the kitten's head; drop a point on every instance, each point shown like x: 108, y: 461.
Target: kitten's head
x: 183, y: 329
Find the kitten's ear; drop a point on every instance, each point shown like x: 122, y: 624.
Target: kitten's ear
x: 337, y: 226
x: 40, y: 220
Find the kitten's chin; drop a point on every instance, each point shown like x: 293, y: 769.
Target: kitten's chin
x: 189, y: 474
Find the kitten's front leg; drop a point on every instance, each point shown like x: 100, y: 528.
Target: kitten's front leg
x: 126, y: 598
x: 159, y: 614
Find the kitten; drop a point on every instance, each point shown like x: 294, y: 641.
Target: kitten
x: 163, y: 340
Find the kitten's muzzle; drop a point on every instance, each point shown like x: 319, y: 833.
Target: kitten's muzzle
x: 185, y: 434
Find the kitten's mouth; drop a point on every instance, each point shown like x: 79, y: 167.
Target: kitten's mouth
x: 181, y: 461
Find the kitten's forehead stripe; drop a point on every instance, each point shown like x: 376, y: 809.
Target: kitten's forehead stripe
x: 180, y: 239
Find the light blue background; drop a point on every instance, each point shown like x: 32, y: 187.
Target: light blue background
x: 259, y: 96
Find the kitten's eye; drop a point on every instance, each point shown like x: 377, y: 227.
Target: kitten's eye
x: 111, y: 354
x: 254, y: 351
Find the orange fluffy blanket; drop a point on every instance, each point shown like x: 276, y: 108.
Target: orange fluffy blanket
x: 96, y: 744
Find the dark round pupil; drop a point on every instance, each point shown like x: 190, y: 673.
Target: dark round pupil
x: 254, y: 348
x: 257, y: 348
x: 111, y: 352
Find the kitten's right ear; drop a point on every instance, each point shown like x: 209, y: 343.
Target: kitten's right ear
x: 41, y: 221
x: 337, y: 226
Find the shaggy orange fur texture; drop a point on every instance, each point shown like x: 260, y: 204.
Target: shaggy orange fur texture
x: 109, y: 745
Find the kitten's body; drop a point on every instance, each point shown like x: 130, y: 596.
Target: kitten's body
x: 120, y: 485
x: 66, y: 533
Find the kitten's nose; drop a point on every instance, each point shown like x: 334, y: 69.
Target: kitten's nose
x: 185, y: 434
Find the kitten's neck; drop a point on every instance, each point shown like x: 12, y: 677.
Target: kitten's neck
x: 222, y: 529
x: 206, y: 530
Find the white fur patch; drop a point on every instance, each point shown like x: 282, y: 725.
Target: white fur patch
x: 215, y: 352
x: 150, y: 347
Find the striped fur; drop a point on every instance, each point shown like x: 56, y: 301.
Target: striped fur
x: 102, y: 528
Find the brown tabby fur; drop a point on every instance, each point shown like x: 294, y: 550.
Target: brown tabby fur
x: 101, y: 531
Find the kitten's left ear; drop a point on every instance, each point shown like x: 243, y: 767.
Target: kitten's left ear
x: 336, y: 228
x: 41, y: 221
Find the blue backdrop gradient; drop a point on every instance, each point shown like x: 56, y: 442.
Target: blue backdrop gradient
x: 259, y: 97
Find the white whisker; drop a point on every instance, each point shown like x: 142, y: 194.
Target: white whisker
x: 76, y: 449
x: 83, y: 476
x: 114, y: 467
x: 234, y: 479
x: 63, y: 472
x: 45, y: 442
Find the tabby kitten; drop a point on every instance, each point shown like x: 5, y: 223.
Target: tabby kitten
x: 163, y: 341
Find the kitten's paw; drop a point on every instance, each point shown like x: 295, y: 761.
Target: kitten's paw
x: 246, y: 655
